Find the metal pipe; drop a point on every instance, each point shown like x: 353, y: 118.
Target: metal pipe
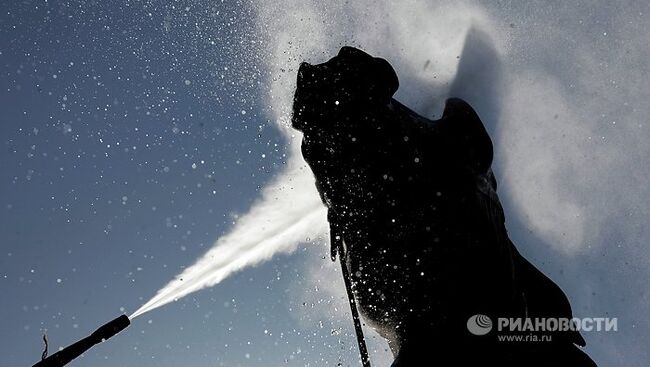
x: 337, y: 246
x: 365, y: 359
x: 106, y: 331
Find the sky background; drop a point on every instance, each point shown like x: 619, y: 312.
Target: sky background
x: 136, y: 133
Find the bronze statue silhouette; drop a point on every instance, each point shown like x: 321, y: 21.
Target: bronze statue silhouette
x: 414, y: 203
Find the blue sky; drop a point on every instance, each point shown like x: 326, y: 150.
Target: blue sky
x: 136, y: 133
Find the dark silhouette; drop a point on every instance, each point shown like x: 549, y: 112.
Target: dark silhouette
x: 64, y: 356
x: 414, y: 202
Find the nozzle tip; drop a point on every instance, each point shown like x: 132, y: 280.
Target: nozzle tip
x: 113, y: 327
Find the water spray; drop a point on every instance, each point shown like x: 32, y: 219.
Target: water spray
x: 276, y: 223
x: 66, y: 355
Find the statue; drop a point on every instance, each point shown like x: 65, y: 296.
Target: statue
x: 413, y: 204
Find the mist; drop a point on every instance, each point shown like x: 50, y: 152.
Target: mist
x: 289, y: 210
